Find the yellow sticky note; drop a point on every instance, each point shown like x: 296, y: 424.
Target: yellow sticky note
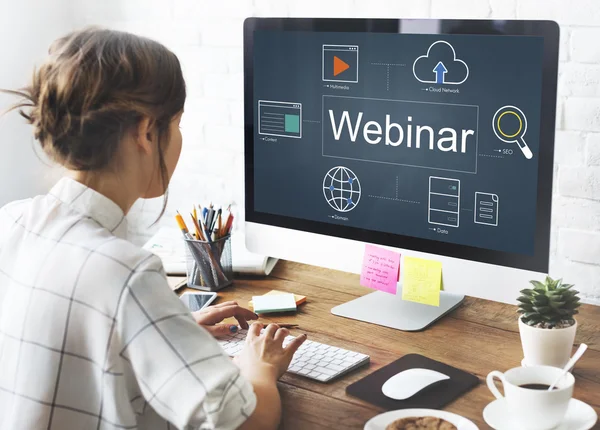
x: 422, y: 280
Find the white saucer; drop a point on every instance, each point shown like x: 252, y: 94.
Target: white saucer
x: 579, y: 416
x: 381, y: 421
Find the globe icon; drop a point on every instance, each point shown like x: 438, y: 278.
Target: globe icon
x: 341, y: 189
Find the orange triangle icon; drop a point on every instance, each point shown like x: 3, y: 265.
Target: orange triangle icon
x: 339, y: 66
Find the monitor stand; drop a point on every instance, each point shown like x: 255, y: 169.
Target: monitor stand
x: 391, y: 311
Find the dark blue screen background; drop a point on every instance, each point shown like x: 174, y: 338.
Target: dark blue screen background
x: 394, y: 181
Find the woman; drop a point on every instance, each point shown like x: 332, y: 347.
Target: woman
x: 91, y: 336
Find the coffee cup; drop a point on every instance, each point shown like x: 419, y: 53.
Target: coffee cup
x: 530, y: 405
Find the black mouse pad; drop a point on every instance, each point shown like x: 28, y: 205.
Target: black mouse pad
x: 435, y: 396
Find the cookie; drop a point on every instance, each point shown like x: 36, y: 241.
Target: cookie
x: 422, y: 423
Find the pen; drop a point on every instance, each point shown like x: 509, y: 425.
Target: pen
x: 211, y: 212
x: 205, y: 230
x: 209, y: 218
x: 218, y: 223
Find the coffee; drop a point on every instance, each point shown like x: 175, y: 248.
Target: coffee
x: 542, y: 387
x: 529, y: 403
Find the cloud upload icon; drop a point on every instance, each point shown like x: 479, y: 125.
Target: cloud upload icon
x: 440, y: 65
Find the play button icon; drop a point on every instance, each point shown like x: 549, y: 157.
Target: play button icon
x: 340, y: 63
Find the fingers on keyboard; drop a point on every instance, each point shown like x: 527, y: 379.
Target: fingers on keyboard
x: 311, y: 359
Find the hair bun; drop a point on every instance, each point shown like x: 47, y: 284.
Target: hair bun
x: 95, y: 85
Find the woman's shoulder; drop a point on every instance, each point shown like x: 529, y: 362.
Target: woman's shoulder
x: 11, y: 213
x: 15, y: 208
x: 118, y: 263
x: 130, y: 255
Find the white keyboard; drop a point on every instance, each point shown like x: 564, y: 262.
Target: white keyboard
x: 313, y: 359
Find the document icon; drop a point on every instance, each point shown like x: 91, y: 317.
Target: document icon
x: 486, y: 209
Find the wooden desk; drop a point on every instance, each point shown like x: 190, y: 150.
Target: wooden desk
x: 479, y: 337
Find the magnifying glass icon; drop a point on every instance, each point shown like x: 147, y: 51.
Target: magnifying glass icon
x: 509, y: 125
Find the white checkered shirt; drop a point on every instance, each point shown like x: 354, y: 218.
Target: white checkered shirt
x: 91, y: 336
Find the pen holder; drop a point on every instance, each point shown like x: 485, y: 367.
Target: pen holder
x: 209, y: 266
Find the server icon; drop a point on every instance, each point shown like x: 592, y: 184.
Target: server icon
x: 444, y: 201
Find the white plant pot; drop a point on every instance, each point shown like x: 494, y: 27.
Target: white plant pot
x: 546, y: 347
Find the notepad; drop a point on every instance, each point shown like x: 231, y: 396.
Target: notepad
x: 274, y: 303
x: 299, y: 299
x: 422, y: 281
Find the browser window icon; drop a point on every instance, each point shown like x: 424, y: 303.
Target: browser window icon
x: 340, y: 63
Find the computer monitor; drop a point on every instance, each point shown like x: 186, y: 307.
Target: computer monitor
x: 432, y: 137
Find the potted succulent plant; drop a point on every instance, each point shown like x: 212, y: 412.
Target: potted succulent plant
x: 547, y: 324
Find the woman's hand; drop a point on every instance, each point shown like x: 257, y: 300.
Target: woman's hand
x: 262, y: 361
x: 264, y: 357
x: 210, y: 317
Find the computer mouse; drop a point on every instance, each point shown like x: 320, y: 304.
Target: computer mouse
x: 409, y: 382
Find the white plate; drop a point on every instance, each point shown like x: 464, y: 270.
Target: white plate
x: 579, y: 416
x: 381, y: 421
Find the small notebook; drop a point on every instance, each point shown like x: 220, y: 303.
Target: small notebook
x: 299, y: 299
x: 274, y: 303
x: 436, y: 396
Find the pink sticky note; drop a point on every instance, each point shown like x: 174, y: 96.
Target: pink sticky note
x: 380, y: 269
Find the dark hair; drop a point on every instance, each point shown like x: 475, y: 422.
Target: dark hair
x: 96, y: 85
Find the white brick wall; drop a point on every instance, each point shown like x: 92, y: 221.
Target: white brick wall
x: 582, y: 113
x: 593, y: 149
x: 569, y: 149
x: 461, y: 9
x: 207, y: 36
x: 580, y: 246
x: 581, y: 49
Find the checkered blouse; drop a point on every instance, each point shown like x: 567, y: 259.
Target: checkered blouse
x: 91, y: 336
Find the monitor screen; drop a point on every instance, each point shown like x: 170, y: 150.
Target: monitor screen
x: 427, y: 136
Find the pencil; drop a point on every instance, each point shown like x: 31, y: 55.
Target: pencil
x: 281, y: 325
x: 182, y: 226
x: 186, y: 235
x: 225, y: 221
x: 197, y: 227
x: 219, y: 223
x: 229, y: 224
x: 287, y: 325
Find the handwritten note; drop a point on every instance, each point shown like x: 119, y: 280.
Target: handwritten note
x: 422, y: 281
x: 380, y: 269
